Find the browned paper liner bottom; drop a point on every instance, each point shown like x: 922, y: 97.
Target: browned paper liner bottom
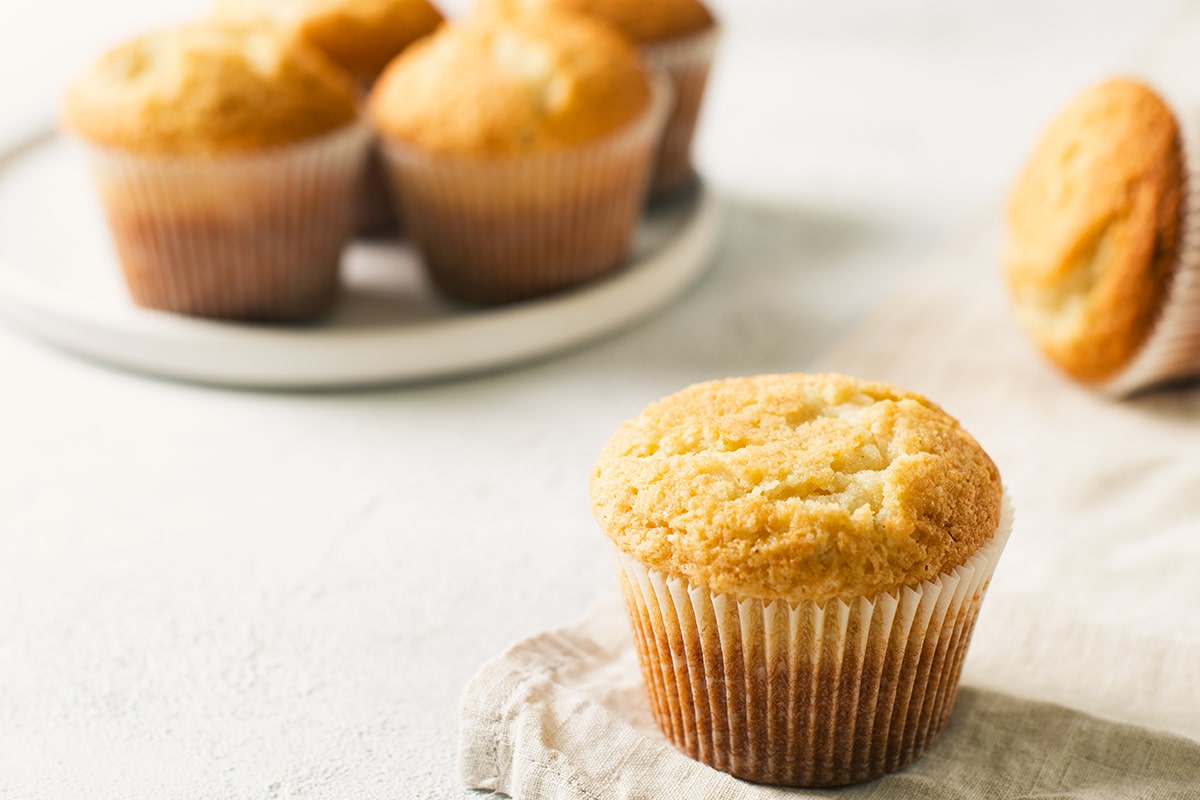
x: 376, y: 210
x: 254, y: 237
x: 376, y: 216
x: 686, y: 62
x: 496, y: 231
x: 806, y: 694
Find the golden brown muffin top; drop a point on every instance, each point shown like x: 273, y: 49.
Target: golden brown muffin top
x: 796, y: 487
x: 643, y: 21
x: 207, y: 89
x: 1094, y: 222
x: 361, y: 36
x: 509, y: 86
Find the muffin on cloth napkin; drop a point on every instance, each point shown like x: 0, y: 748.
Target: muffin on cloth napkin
x: 803, y: 558
x: 1081, y: 672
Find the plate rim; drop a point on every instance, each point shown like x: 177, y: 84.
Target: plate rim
x: 134, y: 339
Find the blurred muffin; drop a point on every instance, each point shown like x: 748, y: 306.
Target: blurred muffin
x: 227, y: 159
x: 519, y: 150
x: 802, y: 558
x: 676, y: 36
x: 1101, y: 261
x: 361, y: 36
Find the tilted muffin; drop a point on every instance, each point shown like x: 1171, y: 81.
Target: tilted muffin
x: 1100, y: 261
x: 361, y: 36
x: 226, y: 158
x: 676, y: 36
x: 520, y: 150
x: 816, y: 545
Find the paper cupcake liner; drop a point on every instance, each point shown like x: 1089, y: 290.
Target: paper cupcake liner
x: 376, y: 216
x: 255, y: 237
x: 376, y: 209
x: 686, y: 61
x: 1172, y: 349
x: 504, y: 230
x: 805, y: 694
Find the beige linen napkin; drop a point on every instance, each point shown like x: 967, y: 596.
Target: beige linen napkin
x: 562, y: 716
x: 1086, y: 658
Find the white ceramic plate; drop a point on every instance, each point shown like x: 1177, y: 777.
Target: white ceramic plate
x: 59, y: 280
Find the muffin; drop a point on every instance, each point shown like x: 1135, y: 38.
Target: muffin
x: 361, y: 36
x: 676, y: 36
x: 1101, y: 262
x: 802, y: 558
x: 519, y: 151
x: 227, y: 159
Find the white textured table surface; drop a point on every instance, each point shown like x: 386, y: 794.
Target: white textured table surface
x: 207, y: 594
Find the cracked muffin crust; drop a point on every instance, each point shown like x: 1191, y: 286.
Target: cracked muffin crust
x: 796, y: 487
x: 1094, y: 228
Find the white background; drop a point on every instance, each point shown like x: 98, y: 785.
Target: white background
x: 214, y: 594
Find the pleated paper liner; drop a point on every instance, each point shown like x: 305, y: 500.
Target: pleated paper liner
x: 686, y: 61
x: 376, y: 209
x: 248, y: 236
x: 376, y: 215
x: 496, y: 231
x: 1172, y: 349
x: 807, y: 694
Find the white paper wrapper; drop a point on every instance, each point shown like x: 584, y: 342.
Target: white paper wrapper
x: 254, y: 237
x: 1172, y: 350
x: 806, y: 694
x: 686, y: 61
x: 496, y: 231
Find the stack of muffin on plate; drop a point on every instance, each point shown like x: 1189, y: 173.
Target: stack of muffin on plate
x: 236, y: 157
